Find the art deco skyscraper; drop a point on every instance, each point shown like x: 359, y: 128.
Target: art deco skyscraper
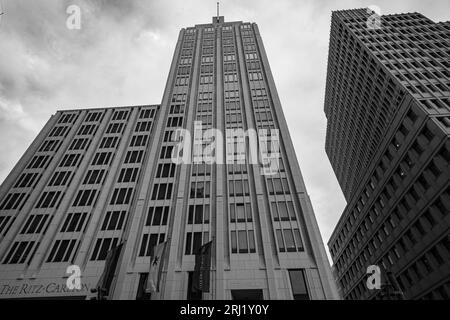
x: 95, y: 178
x: 388, y: 110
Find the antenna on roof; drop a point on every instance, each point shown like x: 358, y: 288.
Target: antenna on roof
x: 217, y: 11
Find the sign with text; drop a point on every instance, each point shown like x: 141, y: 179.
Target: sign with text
x: 40, y: 288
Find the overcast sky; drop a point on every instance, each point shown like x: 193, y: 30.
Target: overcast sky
x: 122, y: 54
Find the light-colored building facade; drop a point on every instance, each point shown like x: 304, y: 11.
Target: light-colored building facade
x: 94, y: 178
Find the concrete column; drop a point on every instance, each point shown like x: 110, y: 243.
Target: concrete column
x: 137, y: 213
x: 221, y: 197
x: 177, y: 227
x: 262, y: 207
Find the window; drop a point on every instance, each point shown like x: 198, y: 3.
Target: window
x: 278, y: 185
x: 292, y: 240
x: 109, y: 142
x: 134, y: 156
x: 114, y: 220
x: 194, y: 242
x: 121, y: 196
x: 240, y: 212
x: 35, y: 224
x: 149, y: 241
x: 101, y: 158
x: 26, y: 180
x: 157, y: 216
x: 49, y: 145
x: 147, y: 113
x: 242, y: 241
x: 12, y: 201
x: 200, y: 189
x: 233, y: 242
x: 62, y: 251
x: 138, y: 141
x: 289, y: 238
x: 128, y: 175
x: 162, y: 191
x: 238, y: 188
x: 48, y: 199
x: 114, y: 128
x: 94, y: 177
x: 79, y: 144
x: 198, y: 214
x: 74, y: 222
x: 38, y: 162
x: 4, y: 220
x: 102, y: 246
x: 120, y: 115
x: 60, y: 178
x: 201, y: 169
x: 67, y: 118
x: 143, y: 126
x: 93, y: 116
x: 298, y: 284
x: 166, y: 152
x: 166, y: 170
x: 141, y: 293
x: 84, y: 198
x: 20, y: 251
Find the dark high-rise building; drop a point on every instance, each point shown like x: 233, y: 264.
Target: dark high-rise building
x: 388, y: 110
x: 97, y: 178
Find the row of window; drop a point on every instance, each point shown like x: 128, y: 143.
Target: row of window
x: 200, y: 189
x: 149, y: 241
x: 157, y: 216
x: 85, y: 198
x: 62, y: 251
x: 102, y: 246
x: 70, y: 160
x: 59, y: 131
x: 198, y: 214
x: 75, y: 221
x: 49, y: 199
x: 121, y: 196
x: 114, y: 220
x: 242, y: 241
x: 67, y: 118
x: 79, y: 144
x: 27, y: 180
x: 60, y: 178
x: 87, y: 130
x: 94, y: 116
x: 38, y: 162
x: 35, y: 223
x: 4, y: 224
x: 49, y: 146
x: 21, y: 252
